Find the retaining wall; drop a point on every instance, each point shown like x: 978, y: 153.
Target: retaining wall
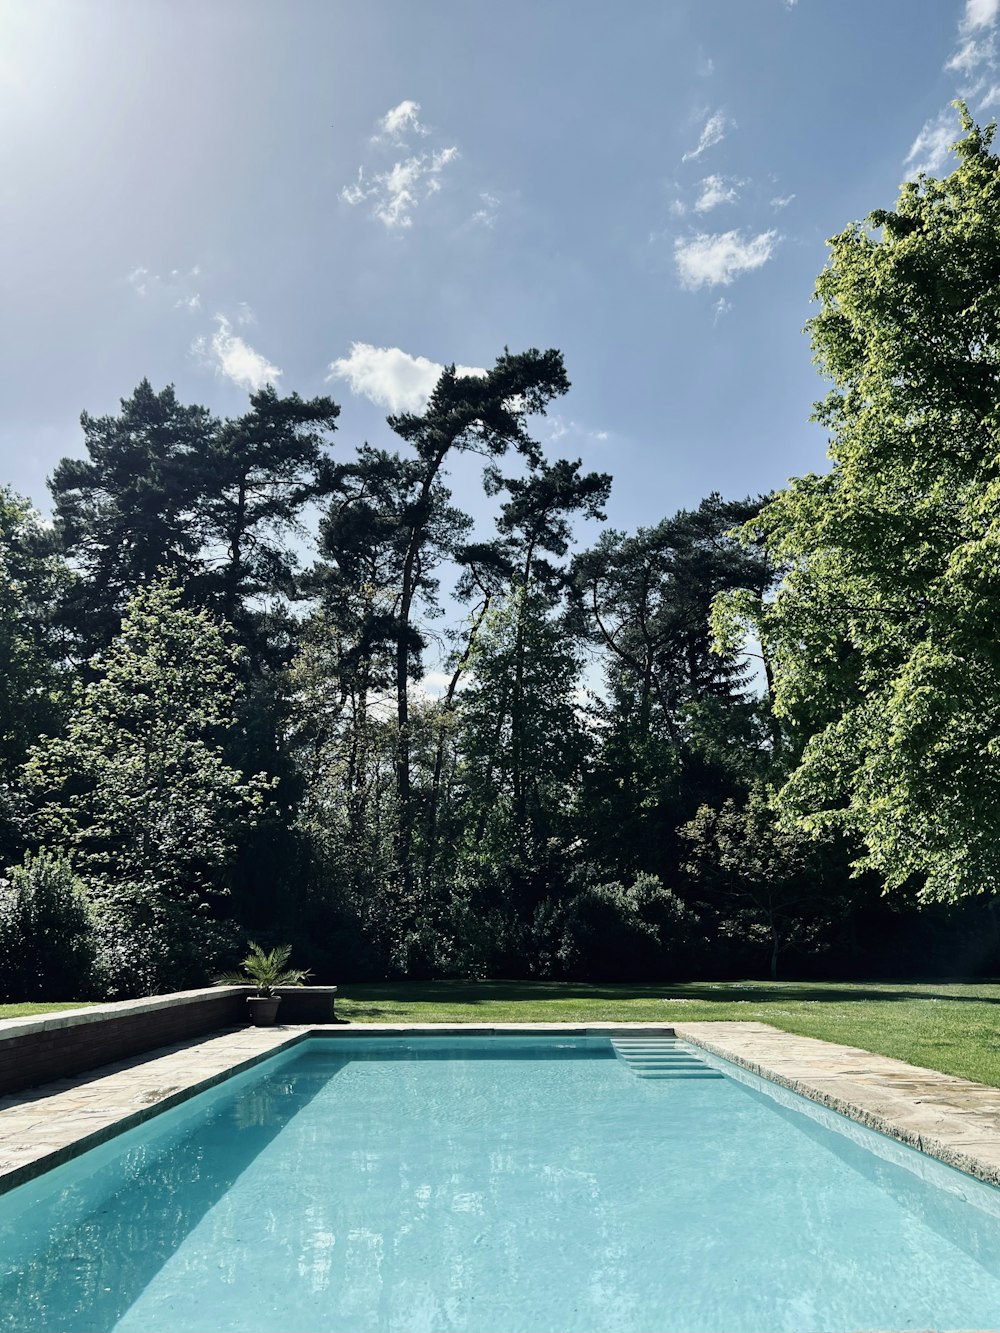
x: 50, y: 1046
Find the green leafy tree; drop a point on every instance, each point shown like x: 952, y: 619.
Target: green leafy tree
x: 137, y: 789
x: 33, y: 578
x: 883, y: 633
x: 522, y: 747
x: 770, y: 887
x: 47, y: 945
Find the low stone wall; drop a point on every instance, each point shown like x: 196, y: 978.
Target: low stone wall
x: 50, y: 1046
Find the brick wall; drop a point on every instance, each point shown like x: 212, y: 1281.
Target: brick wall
x: 37, y: 1050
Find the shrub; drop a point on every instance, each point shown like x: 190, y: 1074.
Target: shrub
x: 46, y: 932
x: 618, y: 932
x: 148, y: 943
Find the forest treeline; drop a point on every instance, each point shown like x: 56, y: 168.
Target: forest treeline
x: 759, y: 734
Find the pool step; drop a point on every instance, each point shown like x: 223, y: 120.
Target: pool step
x: 661, y: 1057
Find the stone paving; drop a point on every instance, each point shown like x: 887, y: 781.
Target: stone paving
x: 44, y: 1126
x: 946, y: 1117
x: 949, y: 1118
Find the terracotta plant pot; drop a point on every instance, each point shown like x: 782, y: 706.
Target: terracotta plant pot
x: 263, y: 1009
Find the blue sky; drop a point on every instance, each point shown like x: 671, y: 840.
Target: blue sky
x: 341, y: 196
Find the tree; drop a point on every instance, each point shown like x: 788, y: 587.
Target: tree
x: 466, y: 414
x: 768, y: 884
x: 218, y: 503
x: 522, y: 746
x: 46, y: 932
x: 679, y: 725
x: 137, y: 791
x: 130, y: 507
x: 883, y: 633
x: 33, y: 577
x: 258, y: 474
x: 533, y: 524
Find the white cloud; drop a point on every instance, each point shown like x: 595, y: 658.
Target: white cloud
x: 971, y: 54
x: 175, y: 289
x: 714, y: 131
x: 230, y: 356
x: 486, y: 214
x: 715, y: 191
x: 979, y: 14
x: 712, y: 261
x: 395, y: 193
x: 400, y: 121
x: 929, y: 150
x: 990, y: 98
x: 782, y: 200
x: 721, y: 307
x: 678, y: 208
x: 559, y: 427
x: 391, y: 377
x: 978, y: 17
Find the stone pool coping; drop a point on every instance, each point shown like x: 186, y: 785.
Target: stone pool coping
x: 948, y: 1118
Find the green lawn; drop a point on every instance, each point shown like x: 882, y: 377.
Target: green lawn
x: 953, y: 1027
x: 26, y: 1010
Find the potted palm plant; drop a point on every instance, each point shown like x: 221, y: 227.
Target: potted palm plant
x: 267, y: 970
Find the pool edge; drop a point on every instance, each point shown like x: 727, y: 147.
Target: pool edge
x: 953, y: 1120
x: 949, y: 1119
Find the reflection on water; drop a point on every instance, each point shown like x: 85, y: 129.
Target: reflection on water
x: 78, y: 1258
x: 500, y: 1191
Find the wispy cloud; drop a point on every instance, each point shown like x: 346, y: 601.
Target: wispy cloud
x: 971, y: 54
x: 929, y: 150
x: 714, y: 131
x: 717, y: 260
x: 716, y: 190
x: 233, y: 358
x: 976, y: 44
x: 721, y: 307
x: 390, y: 377
x: 782, y: 200
x: 177, y: 288
x: 559, y: 427
x: 974, y: 59
x: 397, y: 191
x: 486, y: 214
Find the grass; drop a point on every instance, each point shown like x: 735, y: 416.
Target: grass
x: 951, y: 1027
x: 26, y: 1010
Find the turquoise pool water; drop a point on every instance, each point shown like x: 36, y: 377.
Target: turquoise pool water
x: 497, y: 1184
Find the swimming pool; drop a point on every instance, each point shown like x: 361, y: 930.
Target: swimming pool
x: 499, y: 1183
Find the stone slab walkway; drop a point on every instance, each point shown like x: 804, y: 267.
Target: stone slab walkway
x: 45, y: 1126
x: 949, y: 1118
